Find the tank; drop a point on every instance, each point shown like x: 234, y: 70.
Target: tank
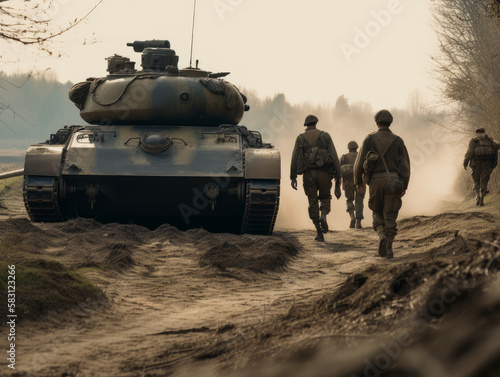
x: 163, y: 145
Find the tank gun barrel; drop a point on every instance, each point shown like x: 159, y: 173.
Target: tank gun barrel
x: 10, y: 174
x: 139, y: 46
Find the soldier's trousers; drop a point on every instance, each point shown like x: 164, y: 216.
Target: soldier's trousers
x: 481, y: 173
x: 317, y: 186
x: 354, y: 199
x: 385, y: 202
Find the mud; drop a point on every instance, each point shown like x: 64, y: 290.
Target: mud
x: 123, y: 300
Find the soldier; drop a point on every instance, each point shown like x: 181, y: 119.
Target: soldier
x: 354, y: 196
x: 383, y: 163
x: 315, y: 157
x: 482, y: 157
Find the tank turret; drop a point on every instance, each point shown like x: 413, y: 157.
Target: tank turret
x: 160, y: 93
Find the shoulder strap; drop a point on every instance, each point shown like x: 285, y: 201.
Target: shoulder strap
x: 315, y: 141
x: 386, y: 150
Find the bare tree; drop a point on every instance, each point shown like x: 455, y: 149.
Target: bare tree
x: 31, y: 22
x: 469, y: 65
x: 469, y: 62
x: 416, y: 103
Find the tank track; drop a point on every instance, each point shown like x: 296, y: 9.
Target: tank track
x: 41, y: 199
x: 261, y: 206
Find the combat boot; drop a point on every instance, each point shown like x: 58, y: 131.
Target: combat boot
x: 481, y: 200
x: 323, y: 223
x: 358, y: 224
x: 478, y: 197
x: 319, y: 233
x: 382, y: 244
x: 390, y: 252
x: 353, y: 220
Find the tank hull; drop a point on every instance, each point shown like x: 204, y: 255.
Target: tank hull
x: 152, y: 201
x: 207, y: 177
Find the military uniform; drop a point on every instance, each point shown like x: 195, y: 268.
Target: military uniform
x: 482, y: 157
x: 317, y: 180
x: 354, y: 197
x: 387, y: 181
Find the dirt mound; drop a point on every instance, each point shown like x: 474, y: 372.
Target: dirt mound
x: 371, y: 292
x: 49, y: 257
x: 171, y: 234
x: 455, y: 246
x: 79, y: 226
x: 257, y: 254
x: 75, y: 244
x: 44, y: 287
x: 228, y: 251
x: 451, y: 222
x: 19, y: 225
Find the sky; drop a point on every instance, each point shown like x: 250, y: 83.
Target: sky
x: 376, y: 51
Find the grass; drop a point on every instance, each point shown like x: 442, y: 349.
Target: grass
x: 9, y: 183
x: 42, y: 286
x: 6, y: 185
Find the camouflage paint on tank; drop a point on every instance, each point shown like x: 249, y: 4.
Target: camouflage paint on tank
x: 165, y: 100
x: 116, y: 151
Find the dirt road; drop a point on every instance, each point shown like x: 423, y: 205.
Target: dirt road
x: 171, y: 303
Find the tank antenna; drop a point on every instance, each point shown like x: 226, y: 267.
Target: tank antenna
x: 192, y: 36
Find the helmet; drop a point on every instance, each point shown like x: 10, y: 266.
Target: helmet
x: 352, y: 146
x: 310, y: 119
x: 384, y: 117
x: 480, y: 131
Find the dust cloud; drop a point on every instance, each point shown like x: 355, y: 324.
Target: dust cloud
x: 436, y: 162
x: 435, y: 153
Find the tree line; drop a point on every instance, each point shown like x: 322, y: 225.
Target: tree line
x: 468, y: 64
x: 32, y: 107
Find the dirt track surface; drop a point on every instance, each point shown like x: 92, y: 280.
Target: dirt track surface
x: 167, y: 302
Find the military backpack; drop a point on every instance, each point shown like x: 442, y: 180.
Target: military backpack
x: 312, y: 157
x: 484, y: 149
x: 347, y: 171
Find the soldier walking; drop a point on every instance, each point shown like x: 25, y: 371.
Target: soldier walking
x: 482, y: 157
x: 315, y: 157
x: 354, y: 196
x: 383, y: 163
